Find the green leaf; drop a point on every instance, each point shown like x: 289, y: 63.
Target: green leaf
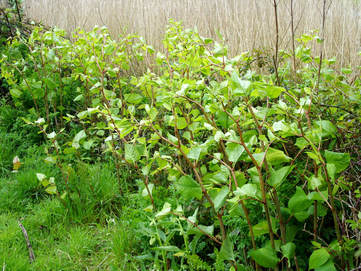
x: 291, y: 231
x: 51, y: 190
x: 226, y: 251
x: 331, y: 170
x: 314, y: 156
x: 289, y: 250
x: 189, y: 188
x: 168, y: 248
x: 79, y: 136
x: 346, y: 70
x: 50, y: 160
x: 340, y: 160
x: 165, y: 211
x: 317, y: 195
x: 265, y: 257
x: 133, y: 98
x: 247, y: 190
x: 131, y: 153
x: 223, y: 120
x: 202, y: 229
x: 358, y: 252
x: 218, y: 136
x: 318, y: 258
x: 82, y: 115
x: 40, y: 176
x: 299, y: 201
x: 278, y: 176
x: 152, y: 112
x: 261, y: 228
x: 181, y: 123
x: 220, y: 198
x: 15, y: 93
x: 314, y: 182
x: 123, y: 132
x: 51, y: 135
x: 274, y: 157
x: 301, y: 143
x: 88, y: 144
x: 194, y: 153
x: 219, y: 50
x: 78, y: 98
x: 96, y: 85
x: 327, y: 128
x: 302, y: 215
x: 274, y: 91
x: 234, y: 151
x: 240, y: 86
x: 145, y: 192
x: 328, y: 266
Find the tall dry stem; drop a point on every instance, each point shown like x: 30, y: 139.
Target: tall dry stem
x: 245, y: 24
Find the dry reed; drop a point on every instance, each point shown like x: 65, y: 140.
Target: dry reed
x: 245, y: 24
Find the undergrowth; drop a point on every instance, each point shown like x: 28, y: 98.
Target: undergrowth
x: 202, y: 162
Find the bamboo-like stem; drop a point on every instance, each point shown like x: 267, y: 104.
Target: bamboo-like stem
x: 244, y: 208
x: 17, y: 6
x: 322, y: 45
x: 293, y: 37
x: 315, y: 225
x: 275, y: 58
x: 261, y: 179
x: 197, y: 176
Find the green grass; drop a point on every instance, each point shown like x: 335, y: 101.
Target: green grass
x: 61, y: 244
x: 98, y: 232
x: 57, y: 245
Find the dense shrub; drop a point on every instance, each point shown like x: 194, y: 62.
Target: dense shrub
x: 238, y: 171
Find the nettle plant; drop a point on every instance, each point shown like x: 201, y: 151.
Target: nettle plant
x: 230, y: 144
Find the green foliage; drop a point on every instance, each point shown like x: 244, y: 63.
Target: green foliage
x: 216, y: 164
x: 22, y: 188
x: 265, y: 257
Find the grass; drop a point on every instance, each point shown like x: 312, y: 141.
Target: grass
x: 99, y: 232
x: 62, y: 244
x: 246, y: 25
x: 93, y: 228
x: 57, y: 246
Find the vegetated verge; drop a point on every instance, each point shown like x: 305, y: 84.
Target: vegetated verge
x: 229, y: 163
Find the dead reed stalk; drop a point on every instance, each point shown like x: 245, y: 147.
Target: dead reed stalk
x: 245, y: 24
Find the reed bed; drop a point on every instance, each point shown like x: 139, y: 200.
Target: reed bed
x: 244, y: 24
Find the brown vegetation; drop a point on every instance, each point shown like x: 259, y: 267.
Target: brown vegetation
x: 245, y: 24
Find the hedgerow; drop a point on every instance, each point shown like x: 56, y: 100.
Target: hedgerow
x: 238, y: 168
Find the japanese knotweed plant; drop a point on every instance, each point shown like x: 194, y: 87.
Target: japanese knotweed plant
x: 226, y: 142
x: 37, y: 72
x: 229, y: 142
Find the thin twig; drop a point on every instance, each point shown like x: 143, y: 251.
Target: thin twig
x: 275, y: 58
x: 28, y: 244
x: 293, y: 38
x: 18, y: 10
x: 338, y: 107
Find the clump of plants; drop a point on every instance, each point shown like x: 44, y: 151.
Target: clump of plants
x: 237, y: 170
